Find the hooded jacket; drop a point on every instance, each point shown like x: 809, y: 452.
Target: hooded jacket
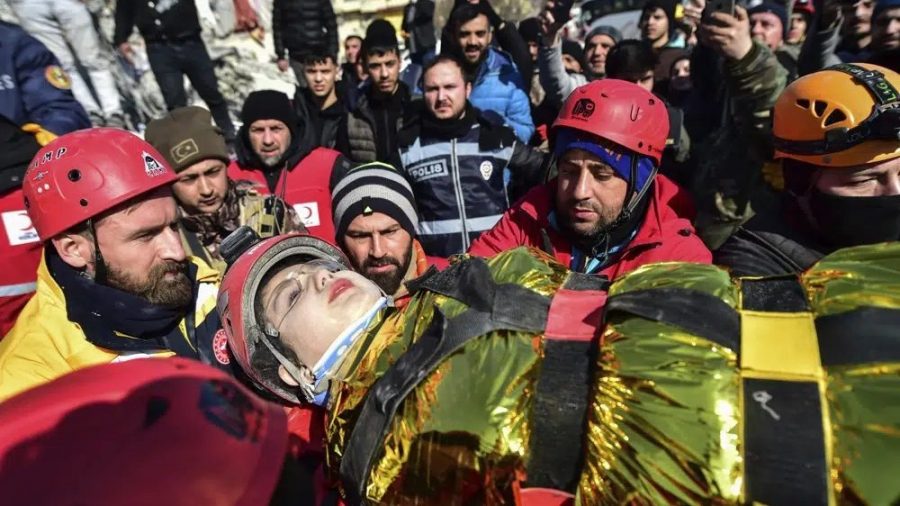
x: 50, y: 339
x: 301, y: 179
x: 499, y: 87
x: 664, y: 236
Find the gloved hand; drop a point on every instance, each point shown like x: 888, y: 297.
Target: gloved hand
x: 43, y: 137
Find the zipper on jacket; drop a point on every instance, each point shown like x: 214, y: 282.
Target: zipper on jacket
x: 457, y: 190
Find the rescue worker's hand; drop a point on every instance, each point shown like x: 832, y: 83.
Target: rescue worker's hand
x: 728, y: 35
x: 283, y: 65
x: 127, y: 52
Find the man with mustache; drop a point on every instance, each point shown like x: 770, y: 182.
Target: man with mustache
x: 375, y: 218
x: 456, y: 156
x: 607, y: 212
x: 213, y: 205
x: 281, y: 155
x: 114, y: 282
x: 497, y: 84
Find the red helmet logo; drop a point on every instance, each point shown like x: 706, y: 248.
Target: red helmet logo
x: 583, y: 108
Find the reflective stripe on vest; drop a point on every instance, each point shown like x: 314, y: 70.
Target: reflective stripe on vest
x: 455, y: 226
x: 18, y: 289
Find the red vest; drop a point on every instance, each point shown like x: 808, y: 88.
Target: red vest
x: 304, y: 187
x: 20, y: 250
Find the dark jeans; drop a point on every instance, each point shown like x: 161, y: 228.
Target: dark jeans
x: 172, y: 60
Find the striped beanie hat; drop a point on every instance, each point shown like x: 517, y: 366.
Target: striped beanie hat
x: 373, y: 188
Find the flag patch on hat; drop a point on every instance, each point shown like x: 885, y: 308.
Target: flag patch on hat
x: 184, y: 150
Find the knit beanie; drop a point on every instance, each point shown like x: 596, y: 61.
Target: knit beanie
x: 573, y: 49
x: 380, y: 33
x: 268, y: 104
x: 610, y: 31
x: 774, y: 8
x: 883, y: 5
x: 186, y: 136
x: 612, y: 154
x: 530, y: 29
x: 373, y: 188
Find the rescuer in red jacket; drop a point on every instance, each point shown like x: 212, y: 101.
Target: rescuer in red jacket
x: 607, y: 212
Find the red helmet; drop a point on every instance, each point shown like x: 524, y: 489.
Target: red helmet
x: 619, y: 111
x: 237, y: 304
x: 82, y: 174
x: 147, y: 431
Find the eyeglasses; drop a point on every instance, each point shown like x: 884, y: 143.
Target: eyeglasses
x: 295, y: 290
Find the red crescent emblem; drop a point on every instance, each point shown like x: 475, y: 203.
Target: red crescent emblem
x: 220, y: 347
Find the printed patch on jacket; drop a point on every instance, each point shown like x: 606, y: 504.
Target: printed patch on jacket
x: 220, y: 347
x: 18, y: 227
x: 486, y: 169
x: 308, y: 213
x: 428, y: 170
x: 57, y: 77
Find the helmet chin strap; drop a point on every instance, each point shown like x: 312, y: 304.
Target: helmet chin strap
x: 602, y: 244
x: 100, y: 271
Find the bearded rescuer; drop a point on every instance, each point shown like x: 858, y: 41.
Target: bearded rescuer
x: 837, y: 133
x: 114, y: 282
x: 607, y: 212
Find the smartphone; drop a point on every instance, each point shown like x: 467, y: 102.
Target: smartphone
x: 561, y: 10
x: 725, y: 6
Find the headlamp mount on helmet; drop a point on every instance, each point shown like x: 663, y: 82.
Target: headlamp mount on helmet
x: 883, y: 123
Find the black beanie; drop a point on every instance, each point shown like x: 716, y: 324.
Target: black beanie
x: 381, y: 34
x: 530, y: 29
x: 370, y: 188
x: 268, y: 104
x: 573, y: 49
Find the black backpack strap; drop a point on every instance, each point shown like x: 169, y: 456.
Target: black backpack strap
x: 696, y: 312
x: 492, y: 307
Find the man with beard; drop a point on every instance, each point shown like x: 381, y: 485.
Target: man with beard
x: 369, y: 131
x: 274, y: 151
x: 497, y: 84
x: 456, y: 157
x: 114, y: 282
x: 856, y: 29
x: 607, y: 212
x: 375, y: 218
x: 212, y: 205
x: 841, y: 172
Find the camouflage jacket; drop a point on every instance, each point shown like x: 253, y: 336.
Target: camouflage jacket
x: 728, y: 180
x: 244, y: 205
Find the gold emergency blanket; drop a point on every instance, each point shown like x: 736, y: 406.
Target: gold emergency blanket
x: 666, y: 423
x: 461, y: 436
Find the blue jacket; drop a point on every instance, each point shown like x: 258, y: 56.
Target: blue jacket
x: 33, y: 86
x: 499, y: 87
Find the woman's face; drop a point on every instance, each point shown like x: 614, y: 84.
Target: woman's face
x: 311, y: 304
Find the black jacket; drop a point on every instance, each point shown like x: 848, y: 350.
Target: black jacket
x: 769, y: 246
x: 418, y: 22
x: 368, y: 132
x: 178, y: 22
x: 304, y: 27
x: 323, y: 123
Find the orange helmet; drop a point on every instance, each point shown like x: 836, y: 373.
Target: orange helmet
x: 843, y: 116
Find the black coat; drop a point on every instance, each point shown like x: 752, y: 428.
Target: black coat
x: 178, y: 22
x: 304, y: 27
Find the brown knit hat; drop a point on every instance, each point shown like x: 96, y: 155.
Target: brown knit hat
x: 186, y: 136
